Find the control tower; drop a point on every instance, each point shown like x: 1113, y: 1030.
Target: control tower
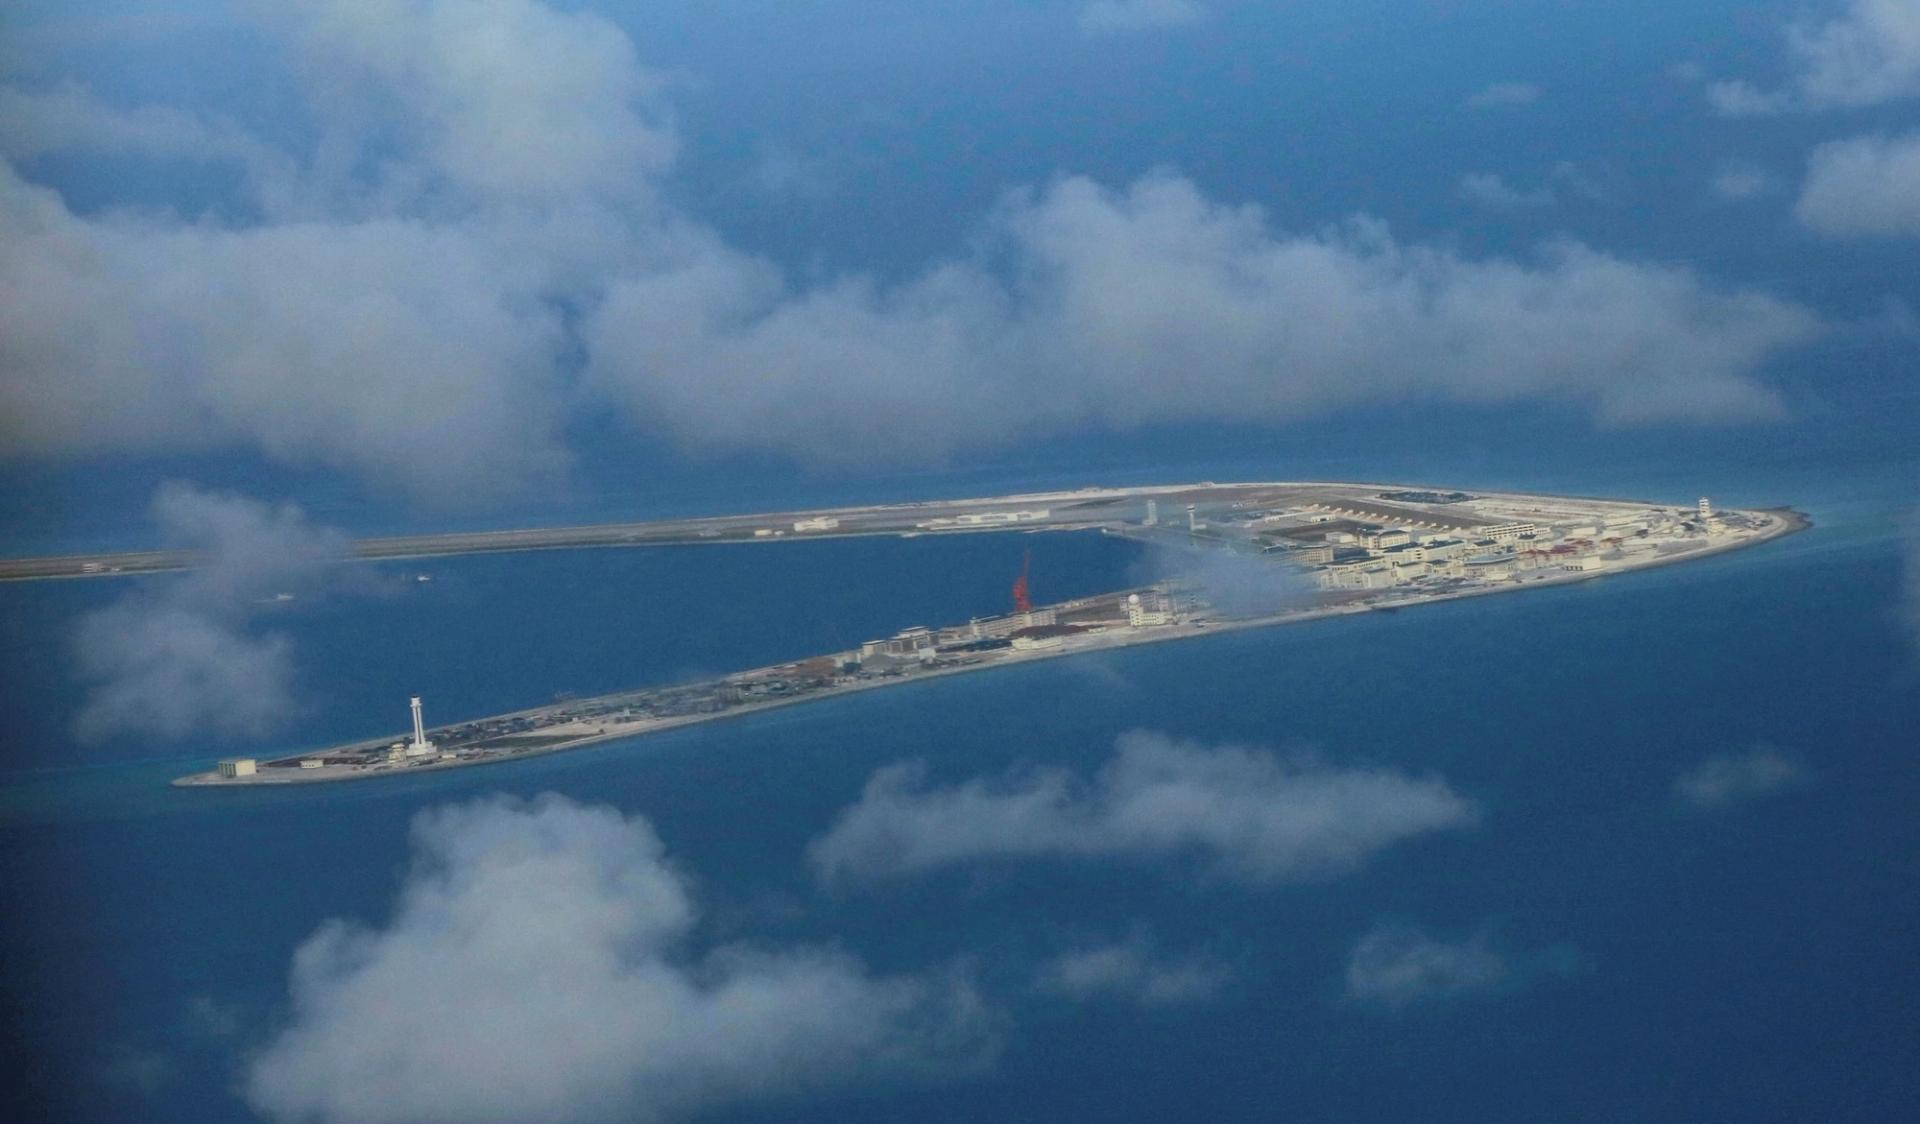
x: 420, y: 747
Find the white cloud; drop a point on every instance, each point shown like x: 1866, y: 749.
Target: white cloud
x: 1503, y: 94
x: 1731, y: 778
x: 1394, y: 966
x: 1111, y: 16
x: 1490, y: 190
x: 475, y: 254
x: 1154, y: 304
x: 1248, y: 814
x: 1743, y: 99
x: 511, y: 100
x: 1863, y: 186
x: 1740, y: 181
x: 1867, y: 56
x: 540, y: 965
x: 396, y: 311
x: 69, y: 119
x: 1565, y: 180
x: 1130, y: 970
x: 182, y: 657
x: 171, y: 672
x: 399, y: 349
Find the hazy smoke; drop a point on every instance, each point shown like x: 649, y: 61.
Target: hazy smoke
x: 1235, y: 584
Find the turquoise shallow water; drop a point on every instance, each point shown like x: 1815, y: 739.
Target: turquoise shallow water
x: 1751, y: 964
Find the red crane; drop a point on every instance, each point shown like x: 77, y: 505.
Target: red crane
x: 1021, y: 603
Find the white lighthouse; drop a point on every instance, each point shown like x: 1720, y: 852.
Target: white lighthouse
x: 1706, y: 511
x: 421, y: 747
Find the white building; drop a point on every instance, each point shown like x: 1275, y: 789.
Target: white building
x: 817, y: 523
x: 1029, y: 643
x: 231, y: 767
x: 1507, y: 532
x: 913, y: 642
x: 1140, y: 616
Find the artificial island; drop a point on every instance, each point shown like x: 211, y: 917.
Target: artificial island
x: 1332, y: 548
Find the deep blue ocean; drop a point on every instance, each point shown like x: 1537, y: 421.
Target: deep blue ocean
x: 1754, y: 963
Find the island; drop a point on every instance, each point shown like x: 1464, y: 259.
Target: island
x: 1331, y: 548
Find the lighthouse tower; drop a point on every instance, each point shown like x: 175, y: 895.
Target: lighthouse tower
x: 1706, y: 511
x: 420, y: 747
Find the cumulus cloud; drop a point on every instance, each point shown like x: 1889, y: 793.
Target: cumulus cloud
x: 474, y: 254
x: 1395, y: 965
x: 1868, y: 55
x: 540, y: 964
x: 394, y: 348
x: 1503, y: 94
x: 1132, y: 971
x: 1731, y: 778
x: 1864, y: 186
x: 1111, y: 16
x: 1154, y: 304
x: 1246, y: 813
x: 182, y: 657
x: 397, y: 309
x: 507, y: 101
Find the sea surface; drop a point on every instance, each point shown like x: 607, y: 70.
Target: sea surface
x: 1753, y: 962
